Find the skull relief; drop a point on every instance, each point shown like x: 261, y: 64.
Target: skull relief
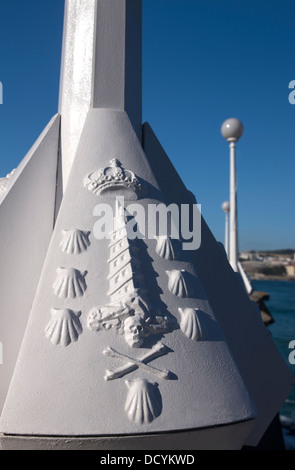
x: 134, y: 331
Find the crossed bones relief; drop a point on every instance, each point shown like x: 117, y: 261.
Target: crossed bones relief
x: 131, y: 319
x: 159, y: 349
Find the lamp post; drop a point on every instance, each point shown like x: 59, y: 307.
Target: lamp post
x: 226, y: 208
x: 232, y: 130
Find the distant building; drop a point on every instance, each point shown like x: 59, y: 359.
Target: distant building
x: 290, y: 269
x: 248, y: 256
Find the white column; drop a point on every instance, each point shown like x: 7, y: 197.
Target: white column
x: 76, y: 80
x: 233, y: 253
x: 101, y: 68
x: 226, y: 208
x: 226, y: 238
x: 117, y: 81
x: 232, y: 129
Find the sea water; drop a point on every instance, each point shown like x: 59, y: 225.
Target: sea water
x: 281, y: 305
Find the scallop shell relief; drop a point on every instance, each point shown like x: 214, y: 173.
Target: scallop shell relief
x: 178, y: 283
x: 166, y: 248
x: 64, y: 327
x: 70, y: 283
x: 75, y: 241
x: 144, y: 401
x: 193, y: 323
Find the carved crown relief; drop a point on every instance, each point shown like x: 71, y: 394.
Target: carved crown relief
x: 113, y: 177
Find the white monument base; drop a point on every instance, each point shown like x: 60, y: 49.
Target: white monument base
x: 231, y: 437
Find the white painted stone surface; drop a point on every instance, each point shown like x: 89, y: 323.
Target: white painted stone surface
x: 63, y: 390
x: 26, y: 220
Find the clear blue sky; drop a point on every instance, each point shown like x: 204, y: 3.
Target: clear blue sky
x: 203, y: 62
